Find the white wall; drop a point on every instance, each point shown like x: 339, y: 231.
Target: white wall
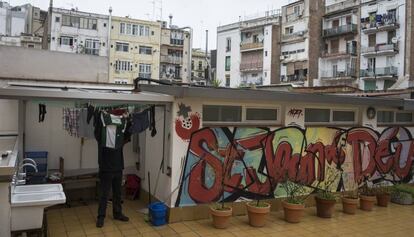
x: 3, y: 17
x: 234, y: 54
x: 267, y: 60
x: 9, y: 116
x: 18, y: 25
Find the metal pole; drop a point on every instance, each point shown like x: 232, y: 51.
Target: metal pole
x: 207, y: 77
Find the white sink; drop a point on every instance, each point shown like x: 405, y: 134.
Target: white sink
x: 27, y: 208
x: 41, y: 188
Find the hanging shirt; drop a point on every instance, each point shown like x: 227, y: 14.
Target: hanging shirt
x: 85, y: 130
x: 140, y: 122
x: 113, y: 130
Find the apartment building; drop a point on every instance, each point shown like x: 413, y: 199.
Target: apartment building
x: 338, y: 62
x: 248, y: 52
x: 199, y: 66
x: 73, y: 31
x: 383, y: 42
x: 176, y: 49
x: 21, y: 26
x: 301, y: 41
x: 134, y: 49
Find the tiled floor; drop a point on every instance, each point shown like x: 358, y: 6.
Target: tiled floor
x: 394, y: 221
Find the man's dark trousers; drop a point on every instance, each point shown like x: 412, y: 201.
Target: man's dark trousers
x: 108, y: 180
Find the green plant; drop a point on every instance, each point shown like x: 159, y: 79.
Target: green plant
x: 382, y: 188
x: 366, y: 190
x: 404, y: 188
x: 324, y: 188
x: 216, y: 83
x: 295, y: 192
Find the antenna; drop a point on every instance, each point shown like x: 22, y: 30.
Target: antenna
x: 156, y: 6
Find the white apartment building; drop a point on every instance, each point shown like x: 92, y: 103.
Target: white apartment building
x: 248, y: 51
x: 383, y: 39
x: 74, y: 31
x: 338, y: 62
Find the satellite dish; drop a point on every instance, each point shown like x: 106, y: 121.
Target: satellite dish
x: 394, y: 40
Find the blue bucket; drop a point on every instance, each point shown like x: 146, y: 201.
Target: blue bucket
x: 158, y: 213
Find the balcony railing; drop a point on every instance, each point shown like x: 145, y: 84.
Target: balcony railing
x: 341, y: 6
x: 294, y: 16
x: 340, y: 30
x: 144, y: 75
x: 330, y: 74
x: 380, y: 72
x: 92, y: 51
x: 171, y: 59
x: 379, y: 22
x: 292, y: 36
x: 248, y: 46
x: 338, y: 53
x: 380, y: 49
x: 251, y: 66
x: 246, y: 82
x: 292, y: 78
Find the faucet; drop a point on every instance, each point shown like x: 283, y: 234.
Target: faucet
x: 20, y: 177
x: 28, y: 164
x: 29, y: 160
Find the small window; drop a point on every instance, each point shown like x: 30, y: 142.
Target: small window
x: 228, y: 63
x: 222, y: 113
x: 317, y: 115
x: 343, y: 116
x: 227, y: 80
x: 259, y: 114
x: 57, y: 19
x: 404, y: 117
x: 385, y: 117
x: 122, y: 47
x: 145, y: 50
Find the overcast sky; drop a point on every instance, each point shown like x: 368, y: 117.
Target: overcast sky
x: 202, y: 15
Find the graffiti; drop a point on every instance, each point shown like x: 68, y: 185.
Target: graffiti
x: 253, y: 162
x: 187, y: 123
x: 295, y: 113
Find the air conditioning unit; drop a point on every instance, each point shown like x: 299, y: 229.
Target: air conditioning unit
x: 301, y: 33
x: 282, y: 57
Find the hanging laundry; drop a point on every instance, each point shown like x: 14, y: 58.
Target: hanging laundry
x: 118, y: 112
x: 152, y: 127
x: 86, y: 129
x: 91, y: 113
x: 42, y: 112
x: 140, y: 122
x: 113, y: 130
x: 71, y: 121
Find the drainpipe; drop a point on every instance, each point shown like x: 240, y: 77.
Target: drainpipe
x: 108, y: 45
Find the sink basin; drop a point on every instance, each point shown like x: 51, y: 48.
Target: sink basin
x: 41, y: 188
x: 27, y: 208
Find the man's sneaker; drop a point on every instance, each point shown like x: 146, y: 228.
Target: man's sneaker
x: 121, y: 217
x: 100, y: 222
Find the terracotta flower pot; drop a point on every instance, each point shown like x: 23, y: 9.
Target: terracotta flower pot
x: 257, y: 215
x: 221, y: 218
x: 324, y: 208
x: 349, y: 205
x: 366, y: 202
x: 293, y: 212
x: 383, y: 199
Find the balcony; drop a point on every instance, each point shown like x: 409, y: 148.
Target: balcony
x: 347, y: 74
x: 341, y: 30
x: 341, y: 6
x: 379, y: 23
x: 171, y: 59
x: 350, y: 51
x: 380, y: 50
x: 294, y: 16
x: 388, y: 72
x: 294, y: 36
x: 251, y: 46
x: 293, y: 78
x: 251, y: 66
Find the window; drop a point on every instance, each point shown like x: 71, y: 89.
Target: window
x: 79, y: 22
x: 320, y: 115
x: 222, y: 113
x: 317, y: 115
x: 372, y: 40
x: 289, y: 30
x: 200, y: 65
x: 192, y: 65
x: 92, y: 46
x: 30, y: 46
x: 145, y: 71
x: 228, y: 63
x: 66, y: 40
x: 135, y: 30
x: 200, y: 75
x: 122, y: 47
x: 228, y: 44
x: 122, y: 28
x: 128, y: 29
x: 392, y: 117
x: 92, y: 24
x: 335, y: 46
x: 57, y: 19
x: 66, y: 20
x: 146, y: 31
x: 227, y: 80
x: 260, y: 114
x: 121, y: 81
x: 123, y: 66
x: 145, y: 50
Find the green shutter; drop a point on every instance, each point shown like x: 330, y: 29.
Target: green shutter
x: 370, y: 86
x: 388, y: 84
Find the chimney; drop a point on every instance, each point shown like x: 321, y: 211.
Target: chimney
x: 171, y: 17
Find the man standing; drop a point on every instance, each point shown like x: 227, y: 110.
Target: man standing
x: 111, y: 133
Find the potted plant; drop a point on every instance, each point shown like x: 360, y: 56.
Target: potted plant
x: 350, y: 201
x: 293, y: 206
x: 402, y: 194
x: 221, y: 213
x: 366, y: 197
x: 257, y: 212
x: 383, y: 195
x: 325, y: 199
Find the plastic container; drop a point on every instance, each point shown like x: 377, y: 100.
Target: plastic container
x: 40, y: 177
x: 158, y: 213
